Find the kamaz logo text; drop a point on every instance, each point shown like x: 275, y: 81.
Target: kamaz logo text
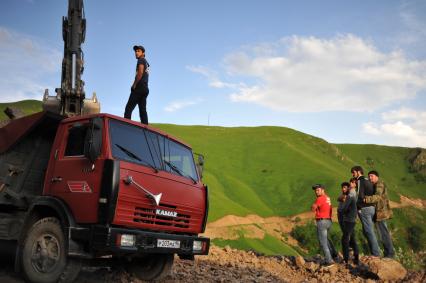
x: 166, y: 213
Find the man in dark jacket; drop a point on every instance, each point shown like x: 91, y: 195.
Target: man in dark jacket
x: 349, y: 212
x: 366, y: 211
x: 383, y: 212
x: 341, y: 200
x: 139, y: 90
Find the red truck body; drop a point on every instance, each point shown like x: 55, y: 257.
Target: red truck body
x: 103, y: 199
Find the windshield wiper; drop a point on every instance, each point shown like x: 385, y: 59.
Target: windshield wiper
x: 177, y: 170
x: 134, y: 156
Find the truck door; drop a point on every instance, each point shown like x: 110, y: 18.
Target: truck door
x: 75, y: 179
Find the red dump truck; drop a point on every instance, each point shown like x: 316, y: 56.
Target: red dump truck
x: 97, y: 188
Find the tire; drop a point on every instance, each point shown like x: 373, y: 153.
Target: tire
x: 151, y: 267
x: 71, y: 271
x: 43, y: 256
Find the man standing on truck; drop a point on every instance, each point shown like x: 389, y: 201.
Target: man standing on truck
x: 139, y: 90
x: 322, y: 209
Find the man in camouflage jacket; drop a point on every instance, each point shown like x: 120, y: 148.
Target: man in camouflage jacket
x: 383, y: 212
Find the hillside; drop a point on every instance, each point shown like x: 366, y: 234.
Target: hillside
x: 26, y: 106
x: 269, y: 171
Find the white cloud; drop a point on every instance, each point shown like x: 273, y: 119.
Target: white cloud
x: 371, y: 128
x: 25, y: 65
x: 309, y: 74
x: 417, y: 118
x: 178, y: 105
x: 403, y: 126
x: 211, y: 77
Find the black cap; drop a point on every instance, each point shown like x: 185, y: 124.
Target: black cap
x: 136, y: 47
x: 374, y: 172
x: 316, y: 186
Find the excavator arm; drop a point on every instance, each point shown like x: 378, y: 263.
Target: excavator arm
x: 70, y: 99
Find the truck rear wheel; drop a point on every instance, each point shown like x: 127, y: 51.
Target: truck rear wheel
x: 43, y: 254
x: 151, y: 267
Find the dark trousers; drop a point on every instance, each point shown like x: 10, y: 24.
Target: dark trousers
x: 348, y: 240
x: 137, y: 98
x: 340, y: 220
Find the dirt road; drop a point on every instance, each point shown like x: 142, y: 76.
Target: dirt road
x: 229, y: 265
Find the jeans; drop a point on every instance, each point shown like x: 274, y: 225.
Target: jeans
x: 366, y: 215
x: 138, y: 98
x: 384, y: 235
x: 348, y: 240
x: 326, y: 245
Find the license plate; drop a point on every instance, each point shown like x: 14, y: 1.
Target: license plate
x: 174, y: 244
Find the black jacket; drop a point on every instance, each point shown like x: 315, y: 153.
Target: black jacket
x: 349, y: 207
x: 365, y: 188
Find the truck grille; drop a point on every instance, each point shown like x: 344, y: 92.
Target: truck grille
x: 149, y: 216
x: 139, y: 212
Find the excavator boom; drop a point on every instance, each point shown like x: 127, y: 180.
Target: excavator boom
x: 70, y: 99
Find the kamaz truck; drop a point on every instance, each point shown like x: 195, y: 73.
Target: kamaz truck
x: 78, y: 187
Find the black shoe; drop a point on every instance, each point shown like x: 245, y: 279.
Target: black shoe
x: 347, y: 265
x: 356, y: 261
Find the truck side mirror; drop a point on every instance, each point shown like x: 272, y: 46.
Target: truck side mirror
x: 93, y: 140
x: 200, y: 164
x: 201, y: 160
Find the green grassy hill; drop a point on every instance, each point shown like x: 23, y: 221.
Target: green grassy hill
x: 26, y: 106
x: 269, y: 171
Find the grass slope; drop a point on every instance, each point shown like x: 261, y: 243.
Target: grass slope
x: 269, y: 245
x: 391, y: 163
x: 269, y: 170
x: 27, y: 106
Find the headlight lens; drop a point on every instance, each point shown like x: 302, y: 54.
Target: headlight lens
x: 197, y: 246
x: 127, y: 240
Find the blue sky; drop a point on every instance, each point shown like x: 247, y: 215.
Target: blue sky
x: 345, y: 71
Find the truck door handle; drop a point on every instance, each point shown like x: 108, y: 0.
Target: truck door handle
x: 56, y: 179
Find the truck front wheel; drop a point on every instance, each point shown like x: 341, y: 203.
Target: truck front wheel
x: 43, y: 254
x: 151, y: 267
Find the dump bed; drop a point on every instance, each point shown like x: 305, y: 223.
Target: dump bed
x: 25, y: 146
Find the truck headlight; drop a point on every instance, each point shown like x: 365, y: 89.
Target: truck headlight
x: 127, y: 240
x: 197, y: 246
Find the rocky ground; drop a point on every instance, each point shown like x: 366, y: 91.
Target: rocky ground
x: 229, y: 265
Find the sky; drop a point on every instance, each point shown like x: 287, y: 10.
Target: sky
x: 344, y: 71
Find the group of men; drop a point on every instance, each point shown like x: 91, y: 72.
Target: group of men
x: 364, y: 197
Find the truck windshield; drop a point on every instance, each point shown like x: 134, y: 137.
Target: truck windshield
x: 138, y: 145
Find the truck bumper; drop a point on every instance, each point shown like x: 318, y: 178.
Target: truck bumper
x: 106, y: 240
